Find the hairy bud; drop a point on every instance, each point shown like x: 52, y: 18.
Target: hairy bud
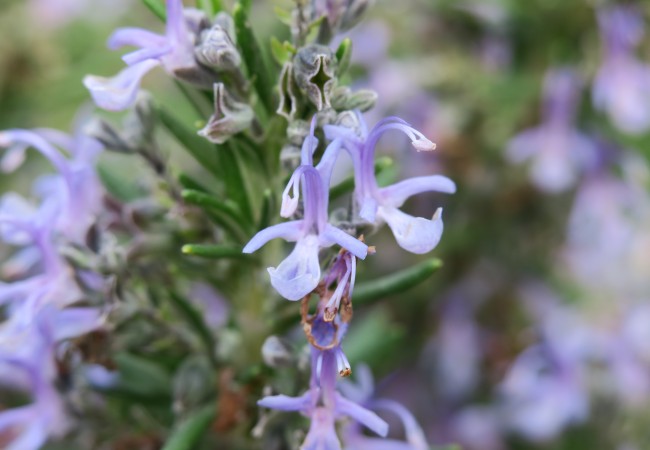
x: 217, y: 48
x: 314, y: 71
x: 343, y: 99
x: 230, y: 117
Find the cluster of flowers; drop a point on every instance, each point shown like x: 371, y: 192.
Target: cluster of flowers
x: 299, y: 275
x: 184, y: 53
x: 41, y: 307
x: 583, y: 352
x: 621, y: 88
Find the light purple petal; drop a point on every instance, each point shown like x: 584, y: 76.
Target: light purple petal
x: 368, y: 210
x: 524, y: 145
x: 119, y: 92
x: 299, y: 273
x: 13, y: 158
x: 73, y: 322
x: 395, y: 195
x: 286, y: 403
x: 331, y: 234
x: 322, y: 432
x: 143, y: 54
x: 136, y: 37
x: 289, y: 231
x: 367, y: 418
x: 32, y: 437
x: 365, y: 443
x: 414, y: 434
x: 414, y: 234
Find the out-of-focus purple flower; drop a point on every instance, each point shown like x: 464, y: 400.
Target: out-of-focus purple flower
x: 75, y: 190
x: 622, y: 85
x: 213, y: 306
x: 27, y: 362
x: 558, y: 152
x: 458, y: 347
x: 479, y: 428
x: 415, y: 234
x: 544, y: 394
x: 608, y: 228
x: 299, y: 273
x: 174, y: 51
x: 546, y: 388
x: 323, y: 406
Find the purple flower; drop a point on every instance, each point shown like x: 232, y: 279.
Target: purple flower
x: 546, y: 388
x: 558, y: 152
x: 299, y: 273
x: 622, y: 85
x: 323, y: 406
x: 415, y: 234
x: 174, y: 51
x: 362, y: 393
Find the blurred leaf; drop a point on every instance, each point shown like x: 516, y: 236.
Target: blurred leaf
x: 194, y: 317
x: 267, y: 210
x: 142, y: 376
x: 157, y: 7
x: 396, y: 283
x: 343, y: 56
x: 372, y: 338
x: 224, y: 213
x: 253, y: 57
x: 211, y: 7
x: 204, y: 152
x: 190, y: 183
x: 283, y: 15
x: 116, y: 186
x: 280, y: 52
x: 189, y: 433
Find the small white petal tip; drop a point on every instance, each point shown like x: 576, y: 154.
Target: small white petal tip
x: 423, y: 145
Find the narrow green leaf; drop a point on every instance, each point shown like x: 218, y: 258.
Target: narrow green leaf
x: 253, y: 56
x: 195, y: 319
x: 204, y: 152
x: 157, y: 7
x: 190, y: 183
x: 343, y: 56
x: 189, y: 433
x: 283, y: 15
x: 347, y: 185
x: 214, y: 251
x: 280, y: 53
x: 117, y: 186
x: 224, y: 209
x: 267, y: 210
x: 233, y: 177
x: 141, y: 376
x: 396, y: 283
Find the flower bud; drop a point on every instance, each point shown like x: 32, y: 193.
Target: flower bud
x: 342, y: 15
x: 343, y: 99
x: 217, y: 48
x: 277, y: 352
x: 314, y: 71
x: 107, y: 135
x: 288, y: 98
x: 230, y: 117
